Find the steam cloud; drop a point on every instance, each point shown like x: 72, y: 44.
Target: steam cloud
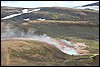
x: 21, y: 34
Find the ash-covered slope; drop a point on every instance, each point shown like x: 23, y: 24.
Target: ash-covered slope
x: 54, y: 13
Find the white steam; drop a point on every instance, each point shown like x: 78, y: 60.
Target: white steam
x: 29, y: 35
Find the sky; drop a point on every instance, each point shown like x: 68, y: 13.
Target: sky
x: 34, y: 4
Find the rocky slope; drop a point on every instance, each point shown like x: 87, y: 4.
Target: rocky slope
x: 54, y: 13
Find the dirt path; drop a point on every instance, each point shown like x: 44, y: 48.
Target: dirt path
x: 5, y: 55
x: 6, y: 46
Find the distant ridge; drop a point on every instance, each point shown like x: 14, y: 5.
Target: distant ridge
x: 93, y: 4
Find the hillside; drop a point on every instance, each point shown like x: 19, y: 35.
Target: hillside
x: 29, y: 51
x: 35, y: 53
x: 74, y: 25
x: 55, y: 13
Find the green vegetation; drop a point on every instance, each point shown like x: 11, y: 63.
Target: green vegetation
x: 85, y: 57
x: 61, y: 29
x: 55, y: 16
x: 93, y: 45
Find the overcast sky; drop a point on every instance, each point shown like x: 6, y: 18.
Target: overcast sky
x: 33, y: 4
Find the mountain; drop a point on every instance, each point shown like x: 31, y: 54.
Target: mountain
x: 92, y: 6
x: 53, y: 13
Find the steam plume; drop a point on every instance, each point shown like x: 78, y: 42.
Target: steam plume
x: 21, y: 34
